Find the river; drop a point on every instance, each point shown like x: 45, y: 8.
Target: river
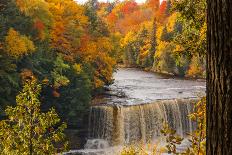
x: 133, y: 86
x: 135, y: 106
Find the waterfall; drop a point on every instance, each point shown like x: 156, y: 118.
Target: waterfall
x: 128, y: 124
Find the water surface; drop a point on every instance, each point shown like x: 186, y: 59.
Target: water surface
x: 134, y: 86
x: 133, y: 109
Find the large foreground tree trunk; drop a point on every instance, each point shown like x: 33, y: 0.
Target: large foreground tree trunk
x: 219, y: 77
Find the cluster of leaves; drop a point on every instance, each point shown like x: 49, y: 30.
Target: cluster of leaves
x: 27, y: 130
x: 64, y: 44
x: 193, y: 20
x: 197, y: 137
x: 172, y: 139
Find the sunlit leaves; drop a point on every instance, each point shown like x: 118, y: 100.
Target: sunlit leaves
x: 18, y: 45
x: 27, y: 130
x: 68, y: 27
x: 172, y: 21
x: 172, y: 139
x: 97, y: 53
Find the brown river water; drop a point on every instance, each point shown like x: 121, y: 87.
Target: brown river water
x: 134, y: 108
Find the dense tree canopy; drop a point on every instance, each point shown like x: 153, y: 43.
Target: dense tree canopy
x: 64, y: 44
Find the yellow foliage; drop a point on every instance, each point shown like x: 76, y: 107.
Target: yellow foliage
x: 196, y: 67
x: 178, y: 48
x: 104, y: 44
x: 141, y: 149
x: 97, y: 53
x: 172, y: 21
x: 77, y: 68
x: 130, y: 37
x: 69, y: 22
x: 32, y: 7
x: 159, y: 32
x: 17, y: 45
x: 160, y: 48
x: 39, y: 11
x: 129, y: 151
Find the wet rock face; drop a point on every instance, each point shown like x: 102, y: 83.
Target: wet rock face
x: 96, y: 144
x: 134, y: 108
x: 121, y: 125
x: 136, y: 105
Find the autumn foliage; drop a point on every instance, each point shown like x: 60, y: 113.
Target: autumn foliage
x: 156, y: 35
x: 65, y: 45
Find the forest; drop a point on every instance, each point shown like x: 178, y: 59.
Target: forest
x: 56, y: 56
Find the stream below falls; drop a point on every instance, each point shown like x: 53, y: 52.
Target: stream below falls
x: 134, y: 107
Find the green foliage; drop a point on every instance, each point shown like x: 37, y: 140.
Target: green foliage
x: 97, y: 26
x: 57, y: 73
x: 27, y: 130
x: 11, y: 17
x: 173, y: 43
x: 164, y: 59
x: 193, y: 20
x: 77, y: 106
x: 137, y: 46
x: 116, y: 52
x: 9, y: 81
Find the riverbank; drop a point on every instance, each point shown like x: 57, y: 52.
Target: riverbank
x: 163, y: 73
x: 135, y: 91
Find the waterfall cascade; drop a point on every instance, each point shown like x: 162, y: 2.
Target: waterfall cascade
x: 127, y: 124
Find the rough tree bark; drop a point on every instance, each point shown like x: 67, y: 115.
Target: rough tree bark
x: 219, y: 77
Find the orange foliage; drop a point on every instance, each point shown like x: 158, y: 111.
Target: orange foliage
x: 26, y: 74
x: 55, y: 93
x: 97, y: 53
x: 129, y: 22
x: 111, y: 18
x: 153, y: 4
x: 129, y: 7
x: 66, y: 32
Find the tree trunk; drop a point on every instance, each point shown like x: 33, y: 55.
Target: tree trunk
x: 219, y: 77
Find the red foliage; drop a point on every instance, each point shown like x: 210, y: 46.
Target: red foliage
x: 163, y: 7
x: 129, y: 7
x: 39, y: 25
